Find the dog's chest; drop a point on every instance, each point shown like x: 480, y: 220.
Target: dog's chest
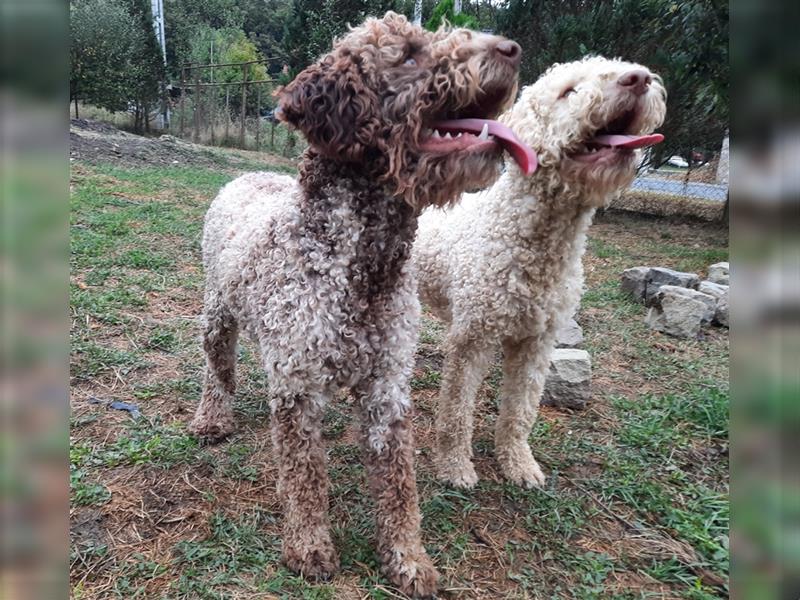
x: 323, y: 301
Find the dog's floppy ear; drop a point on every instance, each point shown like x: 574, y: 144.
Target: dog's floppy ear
x: 330, y: 104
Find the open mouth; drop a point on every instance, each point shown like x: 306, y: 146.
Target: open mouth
x: 469, y: 132
x: 613, y: 140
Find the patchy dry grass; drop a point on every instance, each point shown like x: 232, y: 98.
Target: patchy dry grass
x: 636, y: 504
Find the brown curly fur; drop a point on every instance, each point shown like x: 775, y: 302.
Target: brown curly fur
x: 362, y: 104
x: 317, y: 272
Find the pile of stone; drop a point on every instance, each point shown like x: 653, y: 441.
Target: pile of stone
x: 680, y: 304
x: 569, y: 381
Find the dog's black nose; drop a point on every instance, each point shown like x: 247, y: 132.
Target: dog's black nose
x: 637, y: 81
x: 509, y: 51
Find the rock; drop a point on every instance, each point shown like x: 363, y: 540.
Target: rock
x: 720, y: 294
x: 721, y: 315
x: 659, y: 276
x: 634, y: 282
x: 712, y: 289
x: 569, y: 336
x: 569, y: 380
x: 680, y: 311
x: 719, y: 273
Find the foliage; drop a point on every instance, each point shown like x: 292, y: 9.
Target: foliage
x: 115, y: 58
x: 683, y: 40
x: 445, y: 10
x: 686, y: 42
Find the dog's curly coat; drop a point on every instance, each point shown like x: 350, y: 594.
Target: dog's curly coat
x: 316, y: 270
x: 503, y: 267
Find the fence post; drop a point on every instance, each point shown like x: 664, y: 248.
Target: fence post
x: 272, y: 133
x: 244, y: 104
x: 183, y: 95
x: 227, y: 111
x: 212, y: 111
x: 196, y: 105
x: 258, y: 118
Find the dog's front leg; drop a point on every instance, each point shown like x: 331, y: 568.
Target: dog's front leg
x: 389, y: 458
x: 303, y: 486
x: 525, y: 365
x: 464, y: 369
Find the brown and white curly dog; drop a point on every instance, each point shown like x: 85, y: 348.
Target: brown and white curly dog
x: 503, y: 267
x: 316, y: 270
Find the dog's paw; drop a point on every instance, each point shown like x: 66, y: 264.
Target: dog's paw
x: 412, y: 573
x: 317, y: 562
x: 458, y: 472
x: 211, y: 431
x: 525, y: 472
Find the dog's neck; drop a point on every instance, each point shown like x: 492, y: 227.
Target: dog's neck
x: 350, y: 215
x: 543, y: 215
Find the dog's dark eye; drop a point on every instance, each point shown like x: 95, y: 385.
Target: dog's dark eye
x: 410, y: 62
x: 567, y: 92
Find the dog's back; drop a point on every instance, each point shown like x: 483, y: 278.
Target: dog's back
x: 247, y: 212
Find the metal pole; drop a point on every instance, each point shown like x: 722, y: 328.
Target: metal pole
x: 183, y: 95
x: 227, y: 111
x: 212, y: 112
x: 196, y: 105
x: 258, y: 118
x: 244, y: 104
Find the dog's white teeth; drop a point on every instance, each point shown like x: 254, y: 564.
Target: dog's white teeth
x: 436, y: 134
x: 484, y: 132
x: 459, y: 135
x: 447, y: 136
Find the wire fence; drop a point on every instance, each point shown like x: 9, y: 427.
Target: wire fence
x: 236, y: 112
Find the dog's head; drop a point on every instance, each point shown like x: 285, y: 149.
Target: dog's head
x: 587, y: 120
x: 411, y: 107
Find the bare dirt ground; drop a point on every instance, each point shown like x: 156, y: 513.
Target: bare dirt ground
x: 93, y: 142
x: 636, y: 503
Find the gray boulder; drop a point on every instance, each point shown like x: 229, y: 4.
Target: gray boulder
x: 569, y: 336
x: 569, y: 381
x: 712, y: 289
x: 680, y: 312
x: 722, y: 314
x: 719, y: 273
x: 633, y: 282
x: 720, y: 294
x: 659, y: 276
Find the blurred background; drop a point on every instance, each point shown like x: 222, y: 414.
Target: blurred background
x: 204, y: 72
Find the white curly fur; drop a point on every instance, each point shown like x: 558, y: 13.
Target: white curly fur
x: 503, y: 267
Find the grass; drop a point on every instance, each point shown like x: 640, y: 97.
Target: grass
x: 636, y: 502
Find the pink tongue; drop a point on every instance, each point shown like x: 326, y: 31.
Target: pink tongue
x: 524, y: 156
x: 629, y: 141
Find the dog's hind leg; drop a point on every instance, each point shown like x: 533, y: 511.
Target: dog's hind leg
x: 303, y: 486
x: 213, y: 419
x: 464, y: 369
x: 389, y: 459
x: 525, y: 365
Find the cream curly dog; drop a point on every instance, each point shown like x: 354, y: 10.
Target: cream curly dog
x: 503, y: 267
x: 317, y: 270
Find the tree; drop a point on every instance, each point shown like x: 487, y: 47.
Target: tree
x: 686, y: 42
x: 102, y: 36
x: 445, y: 10
x: 115, y: 60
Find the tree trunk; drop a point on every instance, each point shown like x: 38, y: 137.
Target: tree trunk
x: 76, y: 108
